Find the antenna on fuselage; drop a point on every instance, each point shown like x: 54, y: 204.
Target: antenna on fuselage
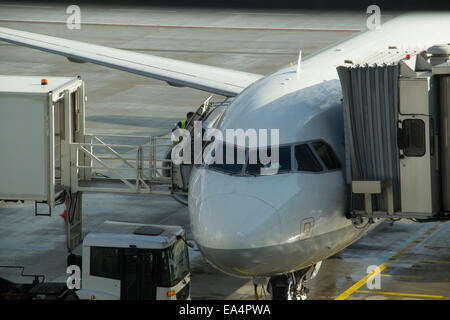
x: 299, y: 63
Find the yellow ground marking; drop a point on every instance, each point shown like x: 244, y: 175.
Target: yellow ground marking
x: 401, y: 294
x: 435, y: 261
x: 436, y: 247
x: 426, y: 261
x: 360, y: 283
x: 400, y: 276
x: 383, y: 266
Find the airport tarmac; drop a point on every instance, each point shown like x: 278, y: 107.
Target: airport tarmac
x: 414, y: 257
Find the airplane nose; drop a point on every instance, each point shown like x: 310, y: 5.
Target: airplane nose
x: 237, y: 234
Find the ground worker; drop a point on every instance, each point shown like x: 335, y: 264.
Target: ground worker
x: 182, y: 125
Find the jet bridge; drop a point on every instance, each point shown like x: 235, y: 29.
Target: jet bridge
x: 396, y: 108
x: 47, y: 156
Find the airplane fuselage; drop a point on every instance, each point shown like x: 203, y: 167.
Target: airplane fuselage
x: 254, y: 225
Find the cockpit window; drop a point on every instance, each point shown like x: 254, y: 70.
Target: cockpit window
x: 305, y: 159
x: 234, y: 165
x: 327, y: 155
x: 283, y: 164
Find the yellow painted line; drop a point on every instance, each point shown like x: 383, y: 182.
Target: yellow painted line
x: 400, y: 294
x: 383, y: 266
x: 435, y: 261
x: 426, y: 261
x: 436, y: 247
x: 360, y: 283
x: 400, y: 276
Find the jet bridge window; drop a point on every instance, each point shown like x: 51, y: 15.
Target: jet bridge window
x: 283, y: 164
x: 413, y: 137
x: 327, y: 155
x: 305, y: 159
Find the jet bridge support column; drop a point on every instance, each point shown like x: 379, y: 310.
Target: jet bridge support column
x: 74, y: 221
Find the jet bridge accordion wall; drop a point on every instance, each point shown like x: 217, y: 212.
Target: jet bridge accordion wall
x: 370, y: 96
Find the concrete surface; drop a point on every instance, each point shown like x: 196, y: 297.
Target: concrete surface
x: 249, y: 40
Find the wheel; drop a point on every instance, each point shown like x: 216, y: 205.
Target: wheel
x: 280, y: 287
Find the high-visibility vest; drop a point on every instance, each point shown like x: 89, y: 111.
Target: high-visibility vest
x: 183, y: 125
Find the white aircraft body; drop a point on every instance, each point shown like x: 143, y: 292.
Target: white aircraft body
x: 251, y: 225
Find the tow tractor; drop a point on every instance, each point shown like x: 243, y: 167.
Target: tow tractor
x: 126, y: 261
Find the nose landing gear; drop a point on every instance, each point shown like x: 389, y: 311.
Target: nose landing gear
x: 292, y: 286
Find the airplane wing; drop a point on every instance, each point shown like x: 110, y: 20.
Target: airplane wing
x: 175, y: 72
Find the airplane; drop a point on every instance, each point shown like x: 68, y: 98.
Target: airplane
x: 279, y: 226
